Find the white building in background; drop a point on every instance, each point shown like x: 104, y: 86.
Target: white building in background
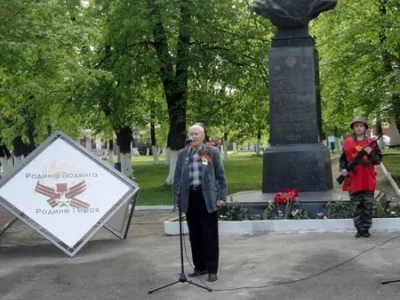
x: 394, y: 135
x: 391, y: 136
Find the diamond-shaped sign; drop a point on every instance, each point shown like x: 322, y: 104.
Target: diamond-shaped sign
x: 64, y: 190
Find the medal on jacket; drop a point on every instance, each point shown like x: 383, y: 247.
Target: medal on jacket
x: 205, y: 158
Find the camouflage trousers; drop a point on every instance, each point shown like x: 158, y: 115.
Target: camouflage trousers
x: 361, y: 209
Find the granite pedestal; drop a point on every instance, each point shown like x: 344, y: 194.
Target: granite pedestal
x: 305, y: 167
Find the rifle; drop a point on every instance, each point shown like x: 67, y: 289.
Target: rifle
x: 351, y: 165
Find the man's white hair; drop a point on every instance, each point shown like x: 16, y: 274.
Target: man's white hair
x: 197, y: 126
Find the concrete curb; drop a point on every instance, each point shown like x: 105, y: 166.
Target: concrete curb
x: 171, y: 227
x: 149, y: 207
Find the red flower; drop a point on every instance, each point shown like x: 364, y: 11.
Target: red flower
x: 289, y: 195
x: 280, y: 198
x: 277, y: 197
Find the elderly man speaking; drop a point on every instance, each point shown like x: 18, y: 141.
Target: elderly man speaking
x: 201, y: 183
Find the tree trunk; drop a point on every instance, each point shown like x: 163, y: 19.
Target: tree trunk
x: 31, y: 137
x: 154, y: 150
x: 168, y: 149
x: 173, y: 77
x: 19, y: 150
x: 225, y: 144
x: 118, y: 153
x: 206, y: 136
x: 338, y: 144
x: 258, y: 146
x: 49, y: 130
x: 396, y: 110
x: 173, y: 156
x: 153, y: 137
x: 379, y: 130
x: 5, y: 159
x: 179, y: 133
x: 398, y: 125
x: 124, y: 139
x: 111, y: 152
x: 167, y: 156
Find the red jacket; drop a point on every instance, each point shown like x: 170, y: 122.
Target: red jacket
x: 363, y: 176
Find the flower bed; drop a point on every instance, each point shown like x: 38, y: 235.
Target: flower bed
x: 284, y: 214
x: 285, y: 206
x: 336, y: 219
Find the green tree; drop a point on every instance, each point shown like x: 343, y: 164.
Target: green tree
x: 358, y: 43
x: 37, y: 68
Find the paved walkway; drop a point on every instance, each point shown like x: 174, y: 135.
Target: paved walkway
x: 321, y: 266
x: 5, y: 217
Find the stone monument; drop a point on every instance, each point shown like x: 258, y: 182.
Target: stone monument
x: 296, y: 157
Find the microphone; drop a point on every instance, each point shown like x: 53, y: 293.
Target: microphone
x: 188, y: 141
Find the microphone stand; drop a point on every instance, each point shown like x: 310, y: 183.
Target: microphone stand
x: 182, y: 275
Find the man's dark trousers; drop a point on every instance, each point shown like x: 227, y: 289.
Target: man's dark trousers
x: 203, y: 232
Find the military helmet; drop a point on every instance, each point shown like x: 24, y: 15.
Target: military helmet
x: 359, y: 120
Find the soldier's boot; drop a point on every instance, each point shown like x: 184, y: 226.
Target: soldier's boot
x: 360, y: 233
x: 366, y: 233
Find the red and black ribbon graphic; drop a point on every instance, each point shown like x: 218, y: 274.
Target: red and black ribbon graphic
x: 62, y: 190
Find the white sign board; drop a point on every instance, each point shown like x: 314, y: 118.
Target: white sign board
x: 66, y: 192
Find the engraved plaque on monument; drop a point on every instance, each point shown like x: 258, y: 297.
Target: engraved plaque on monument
x: 295, y: 158
x: 292, y: 96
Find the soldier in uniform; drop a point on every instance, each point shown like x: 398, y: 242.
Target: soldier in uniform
x: 361, y: 181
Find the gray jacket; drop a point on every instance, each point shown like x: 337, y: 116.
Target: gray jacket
x: 214, y: 185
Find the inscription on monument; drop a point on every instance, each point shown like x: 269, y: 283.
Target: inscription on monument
x: 292, y: 96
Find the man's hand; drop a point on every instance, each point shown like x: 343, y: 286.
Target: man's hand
x: 368, y: 150
x: 220, y: 203
x: 344, y: 172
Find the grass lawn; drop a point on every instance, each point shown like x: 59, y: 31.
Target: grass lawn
x: 243, y: 172
x: 392, y: 151
x: 392, y: 164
